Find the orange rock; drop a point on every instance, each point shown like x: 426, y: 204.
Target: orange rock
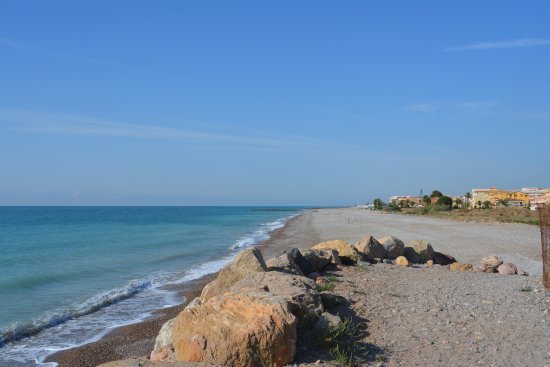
x: 347, y: 253
x: 248, y: 328
x: 247, y: 262
x: 460, y: 267
x: 430, y: 263
x: 402, y: 261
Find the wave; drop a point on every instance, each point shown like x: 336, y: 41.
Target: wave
x: 136, y: 292
x: 22, y: 330
x: 262, y: 234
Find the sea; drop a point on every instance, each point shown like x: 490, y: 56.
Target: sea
x: 69, y: 275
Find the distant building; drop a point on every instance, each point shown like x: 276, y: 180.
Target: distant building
x: 498, y: 197
x: 537, y: 196
x: 404, y: 200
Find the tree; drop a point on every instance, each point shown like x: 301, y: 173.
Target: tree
x: 503, y: 202
x: 378, y: 204
x: 458, y: 203
x: 446, y: 201
x: 426, y: 199
x: 436, y: 194
x: 486, y: 204
x: 478, y: 204
x: 468, y: 195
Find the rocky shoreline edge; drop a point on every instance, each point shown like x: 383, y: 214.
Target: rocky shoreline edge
x: 269, y: 313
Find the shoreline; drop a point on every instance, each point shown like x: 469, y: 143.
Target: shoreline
x: 137, y: 339
x: 478, y: 315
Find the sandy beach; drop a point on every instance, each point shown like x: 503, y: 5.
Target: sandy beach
x: 416, y: 316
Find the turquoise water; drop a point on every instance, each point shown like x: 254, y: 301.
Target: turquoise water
x: 70, y: 273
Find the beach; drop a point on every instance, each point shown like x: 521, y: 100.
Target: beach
x: 467, y: 242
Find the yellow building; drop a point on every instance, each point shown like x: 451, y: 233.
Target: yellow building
x: 497, y: 197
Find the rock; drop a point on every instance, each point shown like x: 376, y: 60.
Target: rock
x: 317, y: 259
x: 402, y: 261
x: 247, y: 262
x: 394, y: 247
x: 331, y: 301
x: 523, y: 273
x: 377, y: 260
x: 419, y: 251
x: 313, y: 275
x: 491, y: 263
x: 300, y: 292
x: 285, y: 264
x: 507, y: 269
x: 442, y: 259
x: 387, y: 261
x: 297, y: 258
x: 429, y: 263
x: 460, y: 267
x: 370, y: 248
x: 346, y: 252
x: 144, y: 362
x: 325, y: 322
x: 237, y: 329
x: 479, y: 269
x: 361, y: 263
x: 164, y: 350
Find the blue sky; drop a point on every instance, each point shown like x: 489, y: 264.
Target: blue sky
x: 288, y: 102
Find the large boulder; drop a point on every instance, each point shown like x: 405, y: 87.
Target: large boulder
x: 442, y: 259
x: 507, y: 269
x: 319, y: 259
x: 247, y: 262
x: 285, y: 264
x: 144, y: 362
x: 419, y: 251
x: 300, y: 292
x: 296, y: 256
x: 346, y: 252
x: 394, y: 247
x: 491, y: 263
x: 164, y: 349
x: 244, y: 329
x: 370, y: 248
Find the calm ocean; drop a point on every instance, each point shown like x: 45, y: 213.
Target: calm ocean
x: 68, y: 274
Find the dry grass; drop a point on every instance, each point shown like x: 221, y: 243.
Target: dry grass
x: 504, y: 215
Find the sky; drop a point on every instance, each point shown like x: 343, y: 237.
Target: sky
x: 270, y: 103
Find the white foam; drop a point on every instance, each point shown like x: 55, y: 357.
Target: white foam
x: 94, y: 318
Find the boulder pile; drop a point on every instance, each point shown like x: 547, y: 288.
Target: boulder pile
x: 252, y: 313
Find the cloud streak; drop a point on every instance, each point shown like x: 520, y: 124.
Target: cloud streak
x: 423, y: 107
x: 62, y: 124
x: 517, y: 43
x: 7, y: 42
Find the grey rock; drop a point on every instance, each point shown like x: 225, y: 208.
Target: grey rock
x: 317, y: 259
x: 507, y: 269
x: 370, y: 248
x: 284, y: 263
x: 419, y: 251
x: 394, y: 247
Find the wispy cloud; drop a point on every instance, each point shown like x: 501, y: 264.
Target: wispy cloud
x: 468, y: 106
x: 49, y: 123
x: 424, y: 107
x: 517, y: 43
x: 8, y: 42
